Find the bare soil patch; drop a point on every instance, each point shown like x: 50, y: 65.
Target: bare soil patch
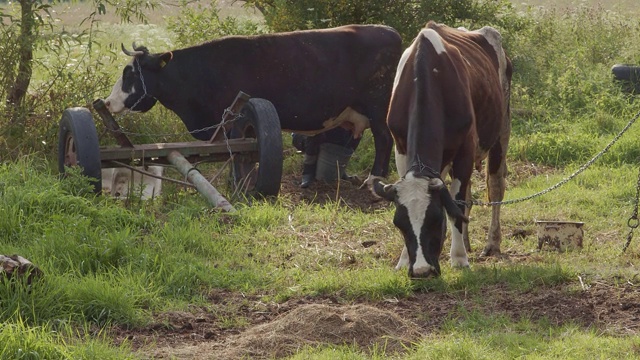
x: 347, y: 193
x: 278, y: 330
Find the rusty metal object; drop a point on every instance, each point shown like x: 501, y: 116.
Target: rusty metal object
x: 111, y: 124
x: 560, y: 235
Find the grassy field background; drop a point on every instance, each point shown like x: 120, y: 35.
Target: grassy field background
x: 621, y: 6
x: 309, y: 277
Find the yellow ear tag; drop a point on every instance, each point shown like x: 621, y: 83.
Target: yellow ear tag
x: 163, y: 63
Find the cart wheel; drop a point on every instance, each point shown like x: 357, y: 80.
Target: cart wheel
x: 78, y: 144
x: 259, y: 120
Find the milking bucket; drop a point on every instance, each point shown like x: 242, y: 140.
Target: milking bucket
x: 332, y: 161
x: 560, y: 235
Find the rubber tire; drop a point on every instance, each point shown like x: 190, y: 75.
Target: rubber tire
x: 629, y: 75
x: 626, y: 72
x: 78, y: 145
x: 260, y: 120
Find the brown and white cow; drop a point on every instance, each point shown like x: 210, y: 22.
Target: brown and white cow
x: 449, y: 111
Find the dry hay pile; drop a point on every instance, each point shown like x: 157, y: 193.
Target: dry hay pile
x: 312, y: 325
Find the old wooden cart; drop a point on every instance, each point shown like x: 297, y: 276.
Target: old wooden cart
x: 249, y: 136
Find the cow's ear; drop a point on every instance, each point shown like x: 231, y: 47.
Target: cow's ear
x: 450, y: 206
x: 157, y: 61
x: 165, y: 58
x: 385, y: 191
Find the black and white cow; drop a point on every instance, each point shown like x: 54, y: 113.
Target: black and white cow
x: 449, y: 111
x: 316, y: 79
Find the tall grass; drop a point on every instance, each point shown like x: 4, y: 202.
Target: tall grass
x: 59, y: 340
x: 566, y: 105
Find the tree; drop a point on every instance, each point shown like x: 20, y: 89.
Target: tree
x: 406, y: 16
x: 18, y: 82
x: 21, y: 33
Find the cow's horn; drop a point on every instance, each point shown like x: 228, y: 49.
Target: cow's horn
x: 385, y: 191
x: 131, y: 53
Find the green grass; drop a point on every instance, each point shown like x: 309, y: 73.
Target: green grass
x: 479, y: 337
x: 108, y: 265
x: 621, y: 6
x: 20, y: 340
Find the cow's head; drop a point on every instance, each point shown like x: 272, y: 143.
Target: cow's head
x: 421, y: 205
x: 135, y: 89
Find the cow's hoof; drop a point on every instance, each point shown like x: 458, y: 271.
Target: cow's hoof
x: 353, y: 179
x: 490, y: 251
x: 307, y: 180
x: 461, y: 263
x: 368, y: 183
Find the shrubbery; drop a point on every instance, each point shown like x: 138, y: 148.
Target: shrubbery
x: 201, y: 23
x: 406, y: 16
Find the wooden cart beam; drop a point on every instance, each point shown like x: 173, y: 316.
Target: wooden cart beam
x: 193, y: 148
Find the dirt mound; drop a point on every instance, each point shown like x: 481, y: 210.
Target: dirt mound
x: 315, y: 324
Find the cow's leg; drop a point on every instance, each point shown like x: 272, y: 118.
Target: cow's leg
x: 458, y: 228
x: 344, y: 137
x: 403, y: 262
x: 467, y: 210
x: 311, y: 151
x: 496, y: 184
x: 460, y: 192
x: 465, y: 229
x: 401, y: 166
x: 401, y: 163
x: 383, y: 143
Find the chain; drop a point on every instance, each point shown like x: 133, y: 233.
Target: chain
x: 633, y: 220
x: 567, y: 179
x: 131, y: 133
x: 236, y: 116
x: 144, y: 87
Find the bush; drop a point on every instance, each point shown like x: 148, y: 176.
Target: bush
x: 197, y: 24
x: 406, y: 16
